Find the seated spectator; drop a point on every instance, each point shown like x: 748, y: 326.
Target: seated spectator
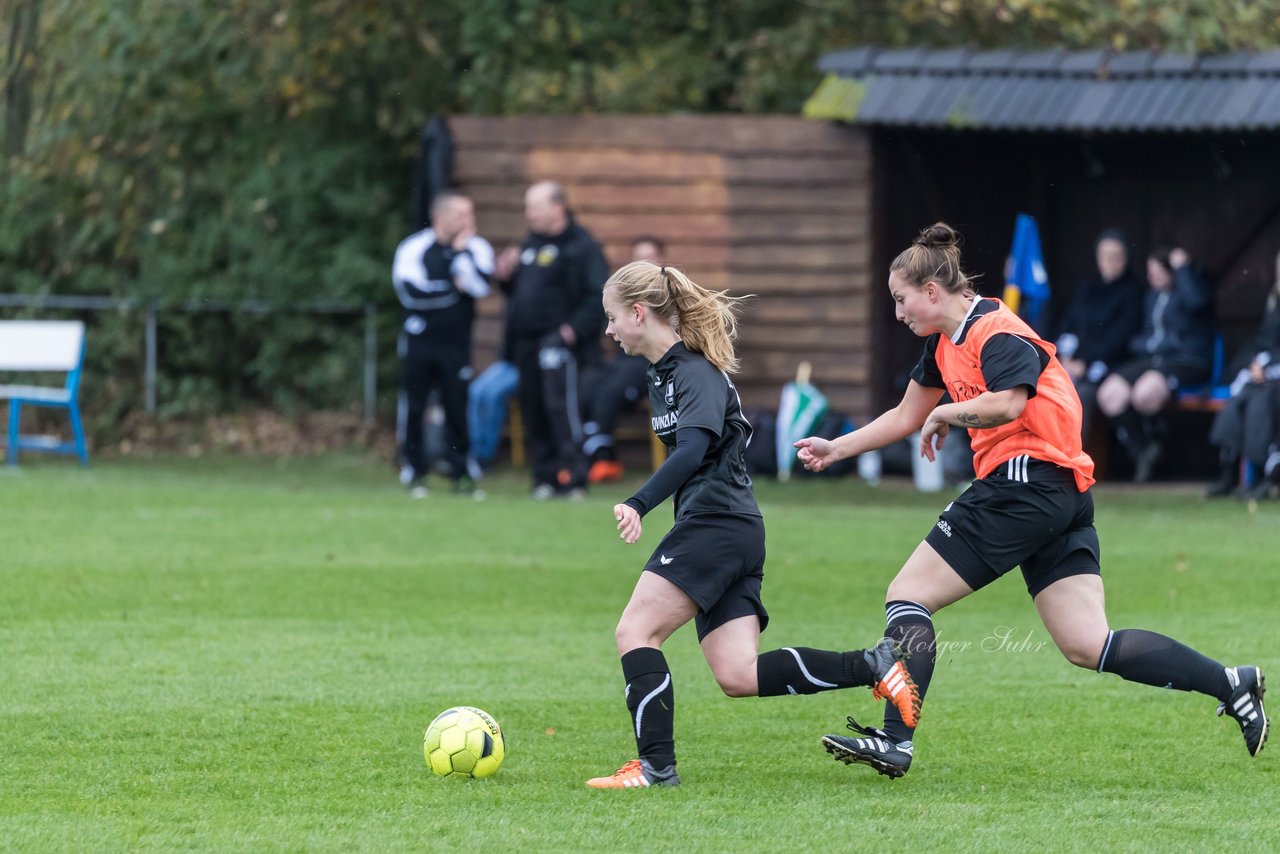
x: 1175, y: 348
x: 1248, y: 427
x: 487, y: 401
x: 1105, y: 313
x: 614, y: 388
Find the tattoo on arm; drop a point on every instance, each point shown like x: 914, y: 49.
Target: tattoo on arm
x: 969, y: 419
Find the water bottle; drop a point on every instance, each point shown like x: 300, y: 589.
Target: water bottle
x: 928, y: 474
x: 869, y: 467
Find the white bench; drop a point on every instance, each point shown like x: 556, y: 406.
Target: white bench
x: 47, y: 346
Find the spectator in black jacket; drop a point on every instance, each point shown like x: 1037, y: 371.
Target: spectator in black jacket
x: 554, y: 324
x: 1104, y: 314
x: 1174, y: 349
x: 1248, y: 427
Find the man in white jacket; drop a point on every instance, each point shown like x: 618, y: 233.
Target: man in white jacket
x: 438, y: 274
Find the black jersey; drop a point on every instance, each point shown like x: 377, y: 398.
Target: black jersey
x: 559, y: 281
x: 686, y: 390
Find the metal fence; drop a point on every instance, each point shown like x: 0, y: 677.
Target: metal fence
x: 152, y: 308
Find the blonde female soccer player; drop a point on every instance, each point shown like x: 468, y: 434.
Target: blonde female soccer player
x: 709, y: 566
x: 1030, y: 505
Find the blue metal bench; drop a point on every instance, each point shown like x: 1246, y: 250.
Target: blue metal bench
x: 49, y: 346
x: 1211, y: 396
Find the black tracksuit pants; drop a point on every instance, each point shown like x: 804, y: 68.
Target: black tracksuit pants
x: 1247, y: 426
x: 424, y: 365
x: 549, y: 407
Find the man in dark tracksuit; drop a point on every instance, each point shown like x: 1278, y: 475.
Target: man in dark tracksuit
x: 438, y: 273
x: 554, y: 324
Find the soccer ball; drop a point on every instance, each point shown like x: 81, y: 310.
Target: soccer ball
x: 464, y: 742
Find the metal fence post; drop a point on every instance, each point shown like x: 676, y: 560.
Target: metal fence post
x: 149, y: 377
x: 370, y: 362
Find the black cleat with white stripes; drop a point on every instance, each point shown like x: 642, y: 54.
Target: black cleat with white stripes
x: 1245, y: 706
x: 875, y: 748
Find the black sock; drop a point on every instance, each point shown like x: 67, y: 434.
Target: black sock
x: 1153, y: 659
x: 910, y: 625
x: 800, y: 670
x: 652, y: 703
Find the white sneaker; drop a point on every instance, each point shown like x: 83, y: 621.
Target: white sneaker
x: 418, y: 492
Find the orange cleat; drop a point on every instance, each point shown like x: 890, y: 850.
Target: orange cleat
x: 893, y: 682
x: 636, y: 774
x: 605, y: 471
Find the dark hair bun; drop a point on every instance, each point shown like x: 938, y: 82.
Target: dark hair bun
x: 938, y: 236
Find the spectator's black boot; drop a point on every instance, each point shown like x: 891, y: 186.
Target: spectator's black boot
x: 1139, y: 435
x: 1226, y: 482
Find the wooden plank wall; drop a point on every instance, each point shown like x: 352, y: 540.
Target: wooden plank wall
x: 778, y: 207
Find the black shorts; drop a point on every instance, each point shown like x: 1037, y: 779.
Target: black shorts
x: 718, y: 561
x: 1176, y: 374
x: 1026, y: 512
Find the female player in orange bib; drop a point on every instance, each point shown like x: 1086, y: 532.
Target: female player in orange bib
x: 1029, y: 507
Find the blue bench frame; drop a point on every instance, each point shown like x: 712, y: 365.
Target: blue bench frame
x: 1210, y: 395
x: 67, y: 397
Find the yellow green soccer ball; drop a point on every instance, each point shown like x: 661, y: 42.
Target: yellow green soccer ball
x: 463, y: 742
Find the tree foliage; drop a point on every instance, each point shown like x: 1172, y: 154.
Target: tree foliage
x: 232, y: 149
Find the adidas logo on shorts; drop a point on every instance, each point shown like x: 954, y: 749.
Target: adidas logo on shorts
x: 944, y: 526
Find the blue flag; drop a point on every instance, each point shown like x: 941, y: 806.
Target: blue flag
x: 1026, y: 290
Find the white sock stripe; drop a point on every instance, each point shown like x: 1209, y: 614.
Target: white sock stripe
x: 805, y: 671
x: 1105, y: 649
x: 655, y: 692
x: 895, y: 613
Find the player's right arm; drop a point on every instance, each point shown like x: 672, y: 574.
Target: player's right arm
x: 908, y: 416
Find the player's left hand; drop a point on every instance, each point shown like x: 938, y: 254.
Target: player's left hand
x: 629, y: 526
x: 933, y: 428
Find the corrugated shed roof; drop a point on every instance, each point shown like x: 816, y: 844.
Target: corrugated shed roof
x: 1050, y: 90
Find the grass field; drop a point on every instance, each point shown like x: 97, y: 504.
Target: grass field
x: 243, y: 654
